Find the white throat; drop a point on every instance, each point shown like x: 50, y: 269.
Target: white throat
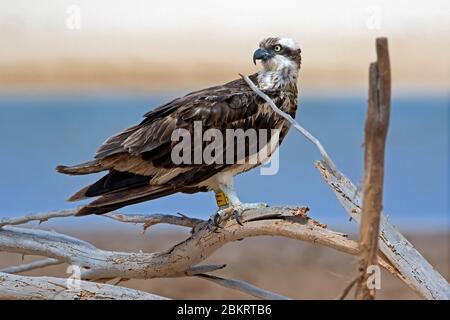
x: 277, y: 73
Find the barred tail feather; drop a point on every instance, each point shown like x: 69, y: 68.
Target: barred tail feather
x: 116, y: 200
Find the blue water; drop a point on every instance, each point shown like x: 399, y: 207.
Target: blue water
x: 39, y: 132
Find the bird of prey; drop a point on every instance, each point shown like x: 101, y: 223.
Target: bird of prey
x: 138, y: 161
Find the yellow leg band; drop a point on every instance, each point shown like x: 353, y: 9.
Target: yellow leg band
x: 221, y: 199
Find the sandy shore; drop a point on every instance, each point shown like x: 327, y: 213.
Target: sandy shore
x: 88, y: 62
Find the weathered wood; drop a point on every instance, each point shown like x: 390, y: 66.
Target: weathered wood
x: 50, y: 288
x: 180, y: 260
x: 243, y: 287
x: 37, y: 264
x: 147, y: 220
x: 376, y: 128
x: 419, y: 274
x: 294, y: 123
x: 96, y: 263
x: 414, y: 269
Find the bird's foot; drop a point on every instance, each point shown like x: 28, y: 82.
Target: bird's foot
x: 236, y: 211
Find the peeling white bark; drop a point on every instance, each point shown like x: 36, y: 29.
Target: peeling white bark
x: 414, y: 269
x: 180, y: 260
x: 418, y: 273
x: 96, y: 263
x: 294, y: 123
x: 50, y: 288
x: 147, y: 220
x: 31, y: 266
x: 244, y: 287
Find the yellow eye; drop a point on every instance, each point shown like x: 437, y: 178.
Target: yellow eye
x: 277, y: 48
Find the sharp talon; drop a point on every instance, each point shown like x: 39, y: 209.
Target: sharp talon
x: 237, y: 217
x: 217, y: 220
x: 210, y: 225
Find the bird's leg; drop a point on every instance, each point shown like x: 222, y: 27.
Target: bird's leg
x: 230, y: 205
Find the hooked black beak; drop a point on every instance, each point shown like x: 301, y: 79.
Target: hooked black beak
x: 261, y: 54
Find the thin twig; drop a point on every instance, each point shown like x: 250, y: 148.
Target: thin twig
x: 204, y: 268
x: 156, y: 218
x: 50, y: 288
x: 41, y: 217
x: 147, y: 220
x: 31, y: 265
x: 296, y: 125
x: 243, y: 287
x: 347, y: 289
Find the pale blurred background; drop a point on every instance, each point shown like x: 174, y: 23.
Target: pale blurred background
x: 73, y: 73
x: 173, y: 44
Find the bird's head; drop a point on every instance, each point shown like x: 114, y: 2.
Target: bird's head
x: 277, y: 54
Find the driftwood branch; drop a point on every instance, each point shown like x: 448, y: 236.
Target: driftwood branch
x: 376, y: 127
x: 418, y: 273
x: 414, y: 269
x: 46, y: 288
x: 294, y: 123
x: 31, y: 266
x: 243, y: 287
x: 96, y: 263
x: 347, y: 289
x: 182, y: 259
x: 147, y: 220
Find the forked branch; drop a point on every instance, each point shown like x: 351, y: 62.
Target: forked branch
x: 49, y: 288
x: 416, y: 271
x: 183, y: 258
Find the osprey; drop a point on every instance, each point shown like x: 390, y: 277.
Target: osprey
x: 139, y: 161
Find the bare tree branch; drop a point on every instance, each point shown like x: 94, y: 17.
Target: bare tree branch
x: 96, y: 263
x: 204, y: 268
x: 156, y: 218
x: 417, y: 272
x: 102, y: 265
x: 46, y: 288
x: 414, y: 269
x: 178, y: 260
x: 41, y: 217
x: 292, y: 121
x: 347, y: 289
x: 147, y: 220
x: 244, y: 287
x: 376, y: 127
x: 31, y: 265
